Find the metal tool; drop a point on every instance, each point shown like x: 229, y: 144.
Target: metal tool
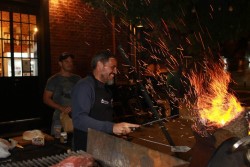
x: 148, y: 123
x: 243, y: 142
x: 173, y: 148
x: 223, y: 155
x: 154, y: 121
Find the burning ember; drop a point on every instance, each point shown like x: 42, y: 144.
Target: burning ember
x: 216, y: 106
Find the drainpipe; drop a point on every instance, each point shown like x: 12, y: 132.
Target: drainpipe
x: 113, y: 35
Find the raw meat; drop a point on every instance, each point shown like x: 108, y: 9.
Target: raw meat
x: 76, y: 161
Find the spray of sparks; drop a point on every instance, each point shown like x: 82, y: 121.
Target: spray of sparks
x: 206, y: 90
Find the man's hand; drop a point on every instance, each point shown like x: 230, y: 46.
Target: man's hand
x: 123, y: 128
x: 66, y: 109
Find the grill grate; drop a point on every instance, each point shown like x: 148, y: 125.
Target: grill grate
x: 44, y: 161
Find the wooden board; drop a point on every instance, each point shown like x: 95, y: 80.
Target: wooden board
x: 23, y: 142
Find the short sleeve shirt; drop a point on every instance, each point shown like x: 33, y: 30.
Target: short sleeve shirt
x: 61, y: 87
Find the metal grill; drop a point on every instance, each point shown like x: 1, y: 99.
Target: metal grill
x: 42, y: 162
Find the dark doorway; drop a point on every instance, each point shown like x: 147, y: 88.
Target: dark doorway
x: 21, y: 65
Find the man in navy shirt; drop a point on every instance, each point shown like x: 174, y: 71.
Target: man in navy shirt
x: 92, y: 102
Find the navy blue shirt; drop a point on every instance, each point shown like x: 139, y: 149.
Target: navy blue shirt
x: 83, y: 99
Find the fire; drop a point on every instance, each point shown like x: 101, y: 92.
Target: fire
x: 216, y: 106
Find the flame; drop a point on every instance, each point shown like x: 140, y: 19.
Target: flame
x: 216, y: 106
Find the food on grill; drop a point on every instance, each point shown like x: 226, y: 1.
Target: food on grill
x: 30, y: 134
x: 76, y: 161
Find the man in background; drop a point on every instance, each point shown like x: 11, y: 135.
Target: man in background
x: 57, y: 93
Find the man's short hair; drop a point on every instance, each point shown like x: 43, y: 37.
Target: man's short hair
x: 65, y: 55
x: 103, y: 57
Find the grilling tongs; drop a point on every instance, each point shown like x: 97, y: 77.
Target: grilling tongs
x: 148, y: 123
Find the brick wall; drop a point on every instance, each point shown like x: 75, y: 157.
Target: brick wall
x: 79, y: 29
